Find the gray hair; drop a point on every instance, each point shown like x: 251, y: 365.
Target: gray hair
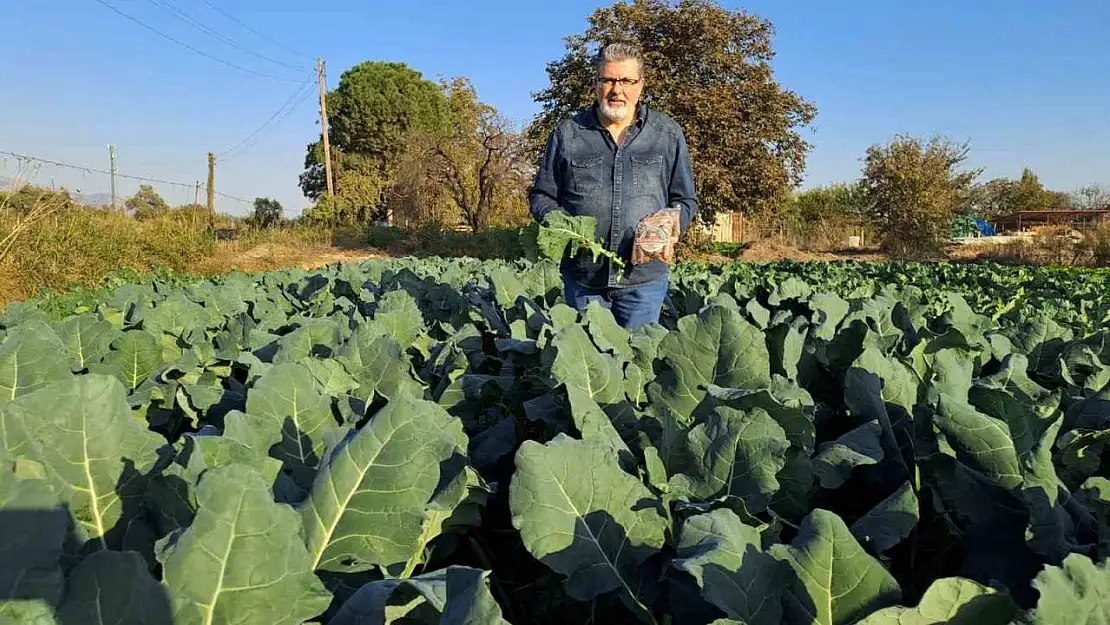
x: 617, y: 52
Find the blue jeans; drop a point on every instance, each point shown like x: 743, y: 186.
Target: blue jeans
x: 632, y: 307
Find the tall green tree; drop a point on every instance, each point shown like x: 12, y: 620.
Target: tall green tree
x: 267, y: 212
x: 911, y: 189
x: 146, y: 203
x: 991, y: 199
x: 710, y: 69
x: 1005, y: 196
x: 375, y: 107
x: 1030, y: 194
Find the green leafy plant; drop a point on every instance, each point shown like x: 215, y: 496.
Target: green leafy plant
x: 438, y: 441
x: 561, y: 235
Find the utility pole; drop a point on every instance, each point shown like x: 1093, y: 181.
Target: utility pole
x: 321, y: 80
x: 211, y: 191
x: 196, y: 195
x: 112, y: 170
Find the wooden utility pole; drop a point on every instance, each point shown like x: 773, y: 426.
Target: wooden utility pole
x: 321, y: 80
x: 211, y: 191
x: 112, y: 172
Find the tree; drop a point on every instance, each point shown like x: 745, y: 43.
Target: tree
x: 912, y: 189
x: 819, y: 203
x: 146, y: 203
x: 991, y: 199
x: 372, y: 112
x: 1005, y: 196
x: 822, y: 211
x: 480, y: 162
x: 1091, y: 197
x: 1029, y: 194
x: 267, y: 213
x: 708, y: 68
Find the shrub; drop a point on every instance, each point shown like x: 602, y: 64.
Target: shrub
x: 911, y: 189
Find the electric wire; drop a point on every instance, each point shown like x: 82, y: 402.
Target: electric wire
x: 255, y: 32
x: 94, y: 170
x: 189, y: 47
x: 304, y: 91
x: 181, y: 15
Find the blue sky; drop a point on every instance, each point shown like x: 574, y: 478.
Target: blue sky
x: 1025, y: 82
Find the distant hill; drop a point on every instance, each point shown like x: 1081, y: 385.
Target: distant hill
x: 91, y: 199
x: 96, y: 199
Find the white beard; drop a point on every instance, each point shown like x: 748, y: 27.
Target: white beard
x: 616, y: 113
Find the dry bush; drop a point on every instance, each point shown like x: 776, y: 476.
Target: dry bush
x: 23, y: 209
x: 1095, y: 245
x: 1058, y: 246
x: 49, y: 242
x: 78, y: 246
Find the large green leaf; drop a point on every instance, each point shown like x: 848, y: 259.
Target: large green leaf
x: 95, y: 454
x: 726, y: 559
x: 835, y: 461
x: 115, y: 588
x: 243, y: 559
x: 836, y: 581
x: 456, y: 595
x: 367, y: 503
x: 135, y: 356
x: 578, y: 363
x: 735, y: 454
x: 87, y: 338
x: 889, y: 522
x: 31, y: 357
x: 288, y: 395
x: 579, y: 514
x: 376, y: 361
x: 1075, y: 593
x: 398, y: 316
x: 951, y: 601
x: 716, y: 347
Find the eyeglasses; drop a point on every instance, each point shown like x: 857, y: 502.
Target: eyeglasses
x: 624, y: 82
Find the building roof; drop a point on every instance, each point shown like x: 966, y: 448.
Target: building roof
x: 1052, y: 216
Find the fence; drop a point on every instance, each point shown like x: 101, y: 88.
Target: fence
x: 728, y: 227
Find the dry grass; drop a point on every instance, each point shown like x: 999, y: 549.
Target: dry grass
x: 1056, y: 246
x: 47, y: 242
x: 297, y: 246
x: 77, y: 246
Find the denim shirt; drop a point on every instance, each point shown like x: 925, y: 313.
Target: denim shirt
x: 585, y: 172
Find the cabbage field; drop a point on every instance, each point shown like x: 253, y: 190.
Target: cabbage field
x: 446, y: 441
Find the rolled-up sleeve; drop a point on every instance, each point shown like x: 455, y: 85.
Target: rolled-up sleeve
x: 680, y: 193
x: 543, y: 197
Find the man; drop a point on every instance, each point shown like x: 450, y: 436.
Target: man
x: 628, y: 167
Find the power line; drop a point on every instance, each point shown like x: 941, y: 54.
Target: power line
x: 255, y: 32
x: 94, y: 170
x: 302, y: 91
x: 189, y: 47
x: 91, y: 170
x: 208, y: 31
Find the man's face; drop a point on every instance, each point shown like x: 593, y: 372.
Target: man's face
x: 618, y: 90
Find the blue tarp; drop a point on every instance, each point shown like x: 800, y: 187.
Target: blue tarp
x: 985, y: 228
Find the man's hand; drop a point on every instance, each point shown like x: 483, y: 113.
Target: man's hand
x: 656, y: 236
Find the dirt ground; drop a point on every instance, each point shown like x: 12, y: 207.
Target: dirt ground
x: 277, y: 256
x: 770, y: 250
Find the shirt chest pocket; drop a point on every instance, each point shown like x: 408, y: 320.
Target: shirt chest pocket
x: 647, y: 175
x: 585, y: 174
